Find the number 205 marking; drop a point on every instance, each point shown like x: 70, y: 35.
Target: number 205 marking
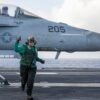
x: 56, y: 29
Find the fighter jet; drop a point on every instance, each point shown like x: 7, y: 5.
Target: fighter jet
x: 50, y: 36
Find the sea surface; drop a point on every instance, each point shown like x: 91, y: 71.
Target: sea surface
x: 52, y: 63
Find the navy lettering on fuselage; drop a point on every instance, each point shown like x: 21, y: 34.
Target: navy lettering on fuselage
x: 56, y: 29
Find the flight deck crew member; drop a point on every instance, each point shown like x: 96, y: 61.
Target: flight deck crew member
x: 28, y: 67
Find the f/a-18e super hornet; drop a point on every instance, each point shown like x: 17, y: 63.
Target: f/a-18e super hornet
x: 50, y: 36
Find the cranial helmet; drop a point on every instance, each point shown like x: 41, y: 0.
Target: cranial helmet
x: 31, y: 39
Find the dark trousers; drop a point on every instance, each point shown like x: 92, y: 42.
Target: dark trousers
x: 27, y: 77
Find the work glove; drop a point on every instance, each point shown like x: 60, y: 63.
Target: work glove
x: 42, y: 61
x: 18, y: 39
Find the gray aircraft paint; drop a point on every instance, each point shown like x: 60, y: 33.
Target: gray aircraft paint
x: 50, y: 36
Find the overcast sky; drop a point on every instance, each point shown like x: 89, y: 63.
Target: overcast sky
x: 79, y: 13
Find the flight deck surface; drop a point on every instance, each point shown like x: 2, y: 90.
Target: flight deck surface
x: 55, y: 84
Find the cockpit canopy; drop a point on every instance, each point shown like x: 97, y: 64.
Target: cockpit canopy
x: 13, y: 11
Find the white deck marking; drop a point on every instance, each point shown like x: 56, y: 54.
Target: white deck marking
x: 43, y: 73
x: 2, y: 77
x: 46, y: 84
x: 66, y: 73
x: 46, y: 73
x: 80, y: 73
x: 55, y: 73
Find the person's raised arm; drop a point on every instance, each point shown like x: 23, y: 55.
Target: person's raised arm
x: 18, y: 47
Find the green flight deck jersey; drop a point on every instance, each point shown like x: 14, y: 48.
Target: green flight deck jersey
x: 29, y: 56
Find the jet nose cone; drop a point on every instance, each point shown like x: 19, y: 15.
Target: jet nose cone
x: 94, y: 41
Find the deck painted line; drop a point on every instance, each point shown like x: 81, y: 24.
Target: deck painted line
x: 46, y: 73
x: 46, y: 84
x: 2, y: 77
x: 43, y: 73
x: 80, y: 73
x: 66, y: 73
